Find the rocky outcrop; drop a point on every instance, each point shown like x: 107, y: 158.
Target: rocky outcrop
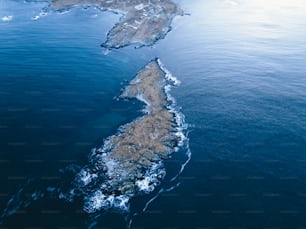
x: 131, y: 161
x: 143, y: 21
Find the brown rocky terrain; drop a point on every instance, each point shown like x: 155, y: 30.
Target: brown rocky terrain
x: 143, y: 21
x: 146, y: 141
x: 131, y: 161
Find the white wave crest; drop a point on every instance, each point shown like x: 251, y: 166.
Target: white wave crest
x: 179, y: 117
x: 152, y: 178
x: 7, y: 18
x: 168, y: 74
x: 86, y: 177
x: 40, y: 15
x: 99, y: 201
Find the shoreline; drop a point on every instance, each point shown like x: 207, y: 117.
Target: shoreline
x: 130, y: 162
x: 142, y: 22
x: 122, y: 167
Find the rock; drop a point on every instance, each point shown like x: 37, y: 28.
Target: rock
x: 128, y: 188
x: 135, y: 153
x: 142, y: 23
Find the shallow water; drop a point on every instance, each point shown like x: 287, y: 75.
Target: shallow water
x: 243, y: 93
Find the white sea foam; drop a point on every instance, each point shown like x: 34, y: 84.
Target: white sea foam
x: 150, y: 181
x: 95, y: 197
x: 86, y: 177
x: 180, y: 121
x: 179, y: 117
x: 40, y: 15
x: 98, y: 201
x: 35, y: 17
x: 20, y: 200
x: 7, y: 18
x: 111, y: 166
x: 162, y: 190
x: 168, y: 74
x: 122, y: 202
x: 144, y: 184
x: 106, y: 51
x: 140, y: 98
x: 188, y: 153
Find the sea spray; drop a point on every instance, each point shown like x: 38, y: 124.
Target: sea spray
x: 111, y: 178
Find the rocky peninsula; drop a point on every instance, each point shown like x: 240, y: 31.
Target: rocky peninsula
x: 131, y: 161
x: 143, y: 21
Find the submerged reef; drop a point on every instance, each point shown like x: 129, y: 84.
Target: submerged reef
x: 143, y: 21
x: 131, y: 161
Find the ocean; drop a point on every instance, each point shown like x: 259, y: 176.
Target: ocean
x: 241, y: 64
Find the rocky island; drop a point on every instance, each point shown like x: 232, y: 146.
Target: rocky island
x: 131, y: 161
x: 143, y: 21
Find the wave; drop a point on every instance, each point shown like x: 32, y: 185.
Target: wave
x: 43, y: 13
x: 21, y: 199
x: 7, y: 18
x: 94, y: 182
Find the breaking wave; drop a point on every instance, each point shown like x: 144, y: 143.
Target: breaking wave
x: 7, y: 18
x: 90, y: 183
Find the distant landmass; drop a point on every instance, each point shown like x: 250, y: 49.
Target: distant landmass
x: 143, y: 21
x: 130, y: 162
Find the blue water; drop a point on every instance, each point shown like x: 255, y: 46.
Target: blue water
x: 243, y: 93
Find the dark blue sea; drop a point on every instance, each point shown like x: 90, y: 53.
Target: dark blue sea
x: 242, y: 68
